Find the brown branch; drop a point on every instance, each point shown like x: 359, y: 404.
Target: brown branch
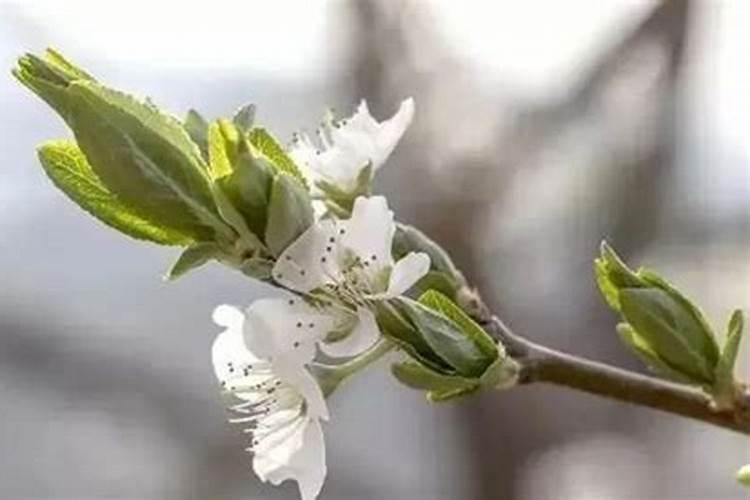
x: 542, y: 364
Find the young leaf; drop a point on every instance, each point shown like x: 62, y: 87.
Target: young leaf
x: 223, y: 147
x: 249, y: 189
x: 440, y: 387
x: 446, y: 338
x: 265, y: 144
x: 612, y: 275
x: 197, y: 128
x: 607, y: 288
x: 703, y: 333
x: 68, y: 169
x: 669, y: 330
x: 445, y: 306
x: 290, y: 213
x: 146, y: 158
x: 48, y: 77
x: 193, y: 257
x: 643, y: 350
x: 725, y: 382
x: 434, y: 280
x: 501, y: 374
x: 62, y: 64
x: 244, y: 117
x: 234, y: 218
x: 400, y: 330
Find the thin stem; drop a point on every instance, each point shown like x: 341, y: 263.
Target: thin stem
x: 373, y: 354
x: 331, y: 376
x: 542, y: 364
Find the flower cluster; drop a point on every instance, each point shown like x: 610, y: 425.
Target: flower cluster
x: 352, y: 283
x: 336, y: 271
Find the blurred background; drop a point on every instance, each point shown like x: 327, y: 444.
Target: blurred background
x: 542, y: 127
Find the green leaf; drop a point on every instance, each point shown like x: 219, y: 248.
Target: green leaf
x: 446, y: 338
x: 643, y: 350
x: 440, y: 387
x: 501, y: 374
x: 244, y: 117
x: 703, y: 336
x: 724, y: 386
x: 48, y: 77
x: 60, y: 63
x: 434, y: 280
x: 608, y: 289
x: 250, y: 242
x: 410, y: 239
x: 612, y: 275
x: 223, y: 146
x: 399, y: 329
x: 249, y: 189
x: 197, y: 128
x: 146, y: 158
x: 193, y: 257
x: 68, y: 169
x: 671, y: 332
x: 445, y: 306
x: 290, y: 213
x: 269, y: 148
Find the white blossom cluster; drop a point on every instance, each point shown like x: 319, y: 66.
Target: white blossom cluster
x: 334, y: 275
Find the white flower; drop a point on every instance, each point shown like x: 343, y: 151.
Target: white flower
x: 277, y: 401
x: 349, y: 145
x: 347, y: 266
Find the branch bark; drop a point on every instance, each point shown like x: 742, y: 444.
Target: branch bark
x: 542, y: 364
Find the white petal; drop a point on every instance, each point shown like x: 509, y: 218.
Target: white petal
x: 228, y: 316
x: 306, y: 263
x: 363, y: 336
x: 407, y: 272
x: 369, y: 232
x: 363, y: 137
x: 284, y: 328
x: 229, y: 346
x: 301, y: 458
x: 310, y: 461
x: 354, y: 143
x: 297, y: 377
